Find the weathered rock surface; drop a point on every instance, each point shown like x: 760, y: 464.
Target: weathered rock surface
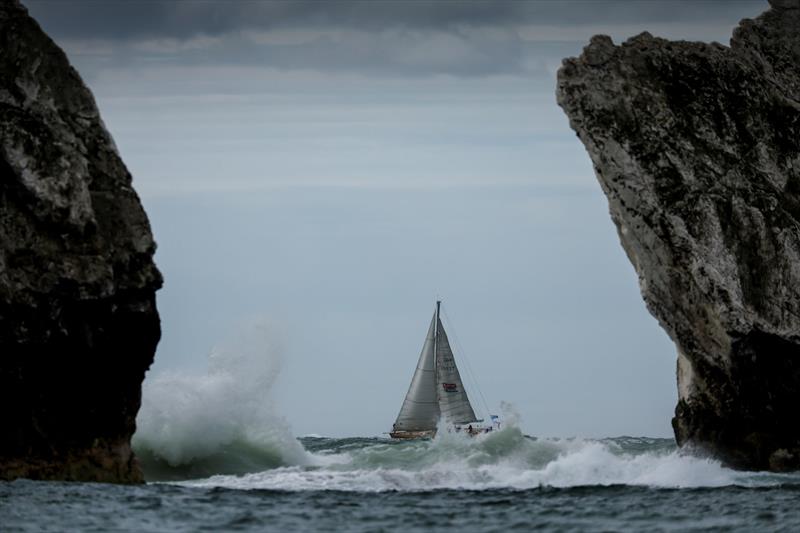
x: 78, y: 320
x: 697, y: 147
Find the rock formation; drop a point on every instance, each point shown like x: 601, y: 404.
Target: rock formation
x: 697, y: 147
x: 78, y: 320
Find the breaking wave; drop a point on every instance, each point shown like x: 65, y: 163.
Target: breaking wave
x: 220, y: 430
x: 220, y: 422
x: 504, y: 459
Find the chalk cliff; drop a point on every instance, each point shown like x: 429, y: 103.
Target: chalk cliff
x: 78, y: 319
x: 697, y: 147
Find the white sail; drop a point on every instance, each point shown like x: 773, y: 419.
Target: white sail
x: 453, y: 402
x: 420, y: 410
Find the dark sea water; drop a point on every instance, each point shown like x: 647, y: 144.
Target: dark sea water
x: 497, y: 482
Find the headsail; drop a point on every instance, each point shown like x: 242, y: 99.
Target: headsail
x: 453, y: 402
x: 420, y: 410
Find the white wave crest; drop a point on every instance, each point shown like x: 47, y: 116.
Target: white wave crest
x: 504, y: 459
x: 185, y: 418
x: 224, y: 421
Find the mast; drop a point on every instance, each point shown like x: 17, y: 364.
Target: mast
x: 435, y: 342
x: 438, y: 307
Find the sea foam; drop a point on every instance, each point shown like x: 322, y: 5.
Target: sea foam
x: 504, y: 459
x: 223, y: 421
x: 221, y: 430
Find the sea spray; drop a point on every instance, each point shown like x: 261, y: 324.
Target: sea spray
x: 500, y: 460
x: 221, y: 430
x: 220, y: 422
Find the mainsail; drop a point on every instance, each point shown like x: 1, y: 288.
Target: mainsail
x: 420, y: 410
x: 436, y: 389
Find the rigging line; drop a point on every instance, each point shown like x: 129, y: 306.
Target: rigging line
x: 466, y: 360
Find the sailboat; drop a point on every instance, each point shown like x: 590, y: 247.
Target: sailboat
x: 436, y: 391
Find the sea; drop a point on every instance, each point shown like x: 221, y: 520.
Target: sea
x: 218, y: 455
x: 500, y: 481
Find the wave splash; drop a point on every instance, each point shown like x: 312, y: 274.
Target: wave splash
x: 221, y: 422
x: 504, y: 459
x: 221, y: 430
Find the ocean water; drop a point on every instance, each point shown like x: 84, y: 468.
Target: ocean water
x: 495, y: 482
x: 219, y: 457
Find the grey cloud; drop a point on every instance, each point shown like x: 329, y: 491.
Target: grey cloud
x: 403, y: 53
x: 131, y: 19
x: 387, y: 37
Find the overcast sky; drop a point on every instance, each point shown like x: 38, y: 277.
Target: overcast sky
x: 332, y: 167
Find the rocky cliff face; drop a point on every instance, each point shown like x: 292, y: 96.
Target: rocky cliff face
x: 697, y: 147
x: 78, y: 320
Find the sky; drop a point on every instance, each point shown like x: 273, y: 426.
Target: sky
x: 330, y: 169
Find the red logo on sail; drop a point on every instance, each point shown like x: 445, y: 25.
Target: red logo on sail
x: 449, y: 387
